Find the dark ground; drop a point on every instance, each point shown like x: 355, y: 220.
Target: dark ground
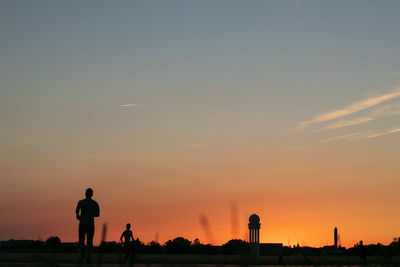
x: 24, y: 259
x: 4, y: 264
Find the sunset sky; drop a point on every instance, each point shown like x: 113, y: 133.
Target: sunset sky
x: 173, y: 111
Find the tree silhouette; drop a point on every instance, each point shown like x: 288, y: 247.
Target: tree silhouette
x: 179, y: 245
x: 53, y: 242
x: 155, y: 247
x: 196, y: 242
x: 236, y: 246
x: 199, y: 248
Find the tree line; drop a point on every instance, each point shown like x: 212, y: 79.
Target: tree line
x: 182, y: 245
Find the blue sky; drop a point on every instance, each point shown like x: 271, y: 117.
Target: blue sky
x: 306, y: 55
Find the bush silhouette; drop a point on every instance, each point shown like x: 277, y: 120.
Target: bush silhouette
x: 179, y: 245
x: 235, y: 246
x: 53, y: 242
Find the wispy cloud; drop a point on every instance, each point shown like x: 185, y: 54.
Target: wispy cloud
x: 347, y: 137
x: 358, y: 136
x: 353, y: 136
x: 377, y: 113
x: 346, y: 123
x: 397, y: 130
x: 130, y: 105
x: 350, y: 109
x: 298, y: 3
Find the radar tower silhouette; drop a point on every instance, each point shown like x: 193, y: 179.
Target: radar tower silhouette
x: 254, y: 234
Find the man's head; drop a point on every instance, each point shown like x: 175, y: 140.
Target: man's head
x: 128, y: 226
x: 89, y: 193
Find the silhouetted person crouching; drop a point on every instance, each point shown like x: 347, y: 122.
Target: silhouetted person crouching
x: 86, y: 210
x: 126, y: 238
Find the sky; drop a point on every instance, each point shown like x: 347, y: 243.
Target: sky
x: 186, y: 117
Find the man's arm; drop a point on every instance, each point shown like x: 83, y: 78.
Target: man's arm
x: 131, y: 237
x: 97, y: 213
x: 78, y: 208
x: 122, y: 241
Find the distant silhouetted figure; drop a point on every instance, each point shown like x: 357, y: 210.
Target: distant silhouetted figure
x: 86, y: 210
x: 126, y: 238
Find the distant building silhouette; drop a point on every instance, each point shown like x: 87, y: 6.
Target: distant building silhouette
x: 335, y: 237
x: 254, y: 234
x: 258, y: 248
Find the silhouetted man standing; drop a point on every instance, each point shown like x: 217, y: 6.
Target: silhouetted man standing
x: 126, y: 238
x: 86, y: 210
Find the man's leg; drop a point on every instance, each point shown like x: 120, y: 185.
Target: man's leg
x: 90, y: 234
x: 126, y: 248
x: 133, y: 252
x: 81, y: 233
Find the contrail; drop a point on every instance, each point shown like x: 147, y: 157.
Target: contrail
x: 130, y: 105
